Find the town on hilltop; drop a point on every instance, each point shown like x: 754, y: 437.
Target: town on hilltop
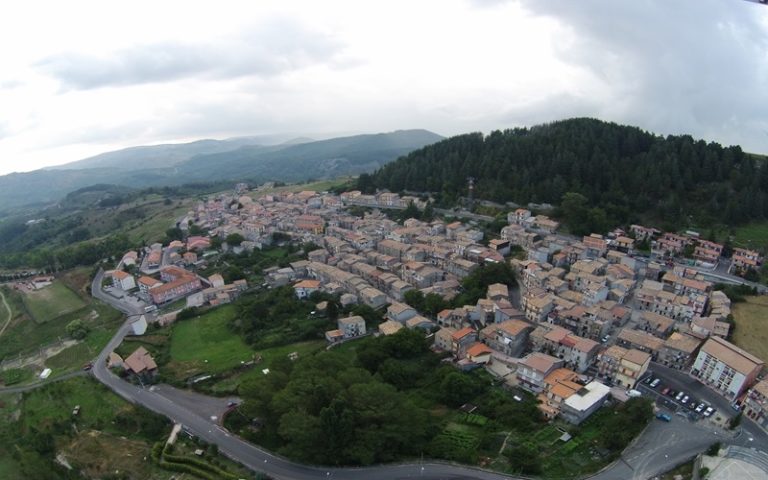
x: 590, y: 316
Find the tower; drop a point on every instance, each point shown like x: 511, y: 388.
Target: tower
x: 470, y: 193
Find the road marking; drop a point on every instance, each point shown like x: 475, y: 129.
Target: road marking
x: 8, y: 310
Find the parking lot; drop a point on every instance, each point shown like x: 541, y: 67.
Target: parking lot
x: 684, y: 395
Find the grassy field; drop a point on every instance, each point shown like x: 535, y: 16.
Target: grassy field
x: 754, y: 235
x: 45, y: 406
x: 229, y: 385
x: 205, y: 344
x: 751, y: 317
x: 52, y: 302
x: 24, y: 335
x: 74, y: 357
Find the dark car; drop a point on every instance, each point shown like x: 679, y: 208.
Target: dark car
x: 87, y: 366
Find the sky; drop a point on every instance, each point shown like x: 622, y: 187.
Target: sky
x: 83, y: 77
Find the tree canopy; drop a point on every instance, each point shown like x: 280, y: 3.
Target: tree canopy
x: 627, y: 173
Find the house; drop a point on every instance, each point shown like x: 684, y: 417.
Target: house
x: 400, y: 312
x: 122, y: 280
x: 586, y: 401
x: 141, y: 363
x: 532, y: 370
x: 334, y: 336
x: 373, y: 297
x: 755, y: 404
x: 353, y: 326
x: 462, y: 339
x: 390, y: 327
x: 710, y: 326
x: 726, y: 368
x: 679, y: 350
x: 498, y: 291
x: 645, y: 342
x: 216, y: 280
x: 509, y: 337
x: 443, y: 339
x: 632, y: 367
x: 479, y: 353
x: 558, y: 386
x: 420, y: 322
x: 305, y: 288
x: 130, y: 258
x: 744, y: 259
x: 147, y: 283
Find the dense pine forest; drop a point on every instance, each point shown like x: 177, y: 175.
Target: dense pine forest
x: 630, y: 174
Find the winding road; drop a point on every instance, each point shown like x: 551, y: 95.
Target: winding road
x: 661, y: 447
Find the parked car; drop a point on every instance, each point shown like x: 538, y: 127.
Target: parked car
x: 679, y: 396
x: 709, y: 411
x: 672, y: 393
x: 655, y: 383
x: 647, y: 380
x: 634, y: 393
x: 663, y: 417
x: 88, y: 366
x: 685, y: 399
x: 700, y: 408
x: 665, y: 390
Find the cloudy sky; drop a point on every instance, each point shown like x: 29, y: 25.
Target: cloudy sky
x: 79, y: 78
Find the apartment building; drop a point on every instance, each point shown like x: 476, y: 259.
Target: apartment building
x: 725, y: 367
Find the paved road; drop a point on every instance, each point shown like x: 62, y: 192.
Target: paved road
x: 42, y: 383
x: 661, y: 447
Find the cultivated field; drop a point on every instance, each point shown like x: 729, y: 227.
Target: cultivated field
x: 751, y: 332
x: 52, y: 302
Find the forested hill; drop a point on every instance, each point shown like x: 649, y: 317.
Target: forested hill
x: 630, y: 173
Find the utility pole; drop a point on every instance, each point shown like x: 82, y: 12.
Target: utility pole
x: 471, y: 193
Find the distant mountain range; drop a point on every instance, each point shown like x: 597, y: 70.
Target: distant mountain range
x: 255, y: 159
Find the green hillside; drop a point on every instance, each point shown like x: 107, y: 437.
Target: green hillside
x: 631, y: 174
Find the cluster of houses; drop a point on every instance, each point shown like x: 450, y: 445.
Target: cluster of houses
x: 590, y: 317
x: 169, y: 279
x: 704, y: 252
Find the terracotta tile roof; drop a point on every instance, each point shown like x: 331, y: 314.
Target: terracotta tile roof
x: 733, y: 356
x: 140, y: 360
x: 463, y: 333
x: 478, y: 349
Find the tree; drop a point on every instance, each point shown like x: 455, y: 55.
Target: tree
x: 458, y: 388
x: 77, y: 329
x: 524, y: 457
x: 234, y: 239
x: 575, y: 213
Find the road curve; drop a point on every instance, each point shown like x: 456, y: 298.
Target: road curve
x: 639, y: 461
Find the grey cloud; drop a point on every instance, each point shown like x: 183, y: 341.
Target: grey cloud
x: 673, y: 67
x: 276, y: 47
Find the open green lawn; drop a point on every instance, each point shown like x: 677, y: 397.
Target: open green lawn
x: 751, y: 317
x: 52, y: 302
x: 205, y: 344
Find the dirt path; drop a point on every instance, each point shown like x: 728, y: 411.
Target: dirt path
x: 8, y: 312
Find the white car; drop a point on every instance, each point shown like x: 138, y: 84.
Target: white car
x: 709, y: 411
x: 685, y: 399
x: 655, y: 383
x: 679, y: 396
x: 700, y: 408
